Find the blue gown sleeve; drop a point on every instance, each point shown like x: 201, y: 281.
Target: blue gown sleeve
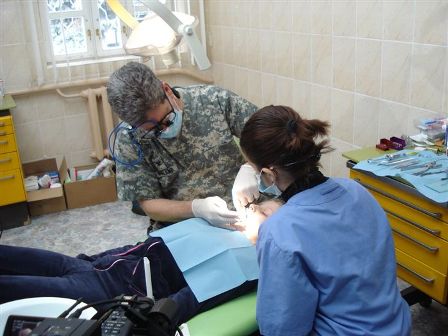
x: 286, y: 298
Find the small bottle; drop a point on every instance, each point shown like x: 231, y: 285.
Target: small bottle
x: 99, y: 169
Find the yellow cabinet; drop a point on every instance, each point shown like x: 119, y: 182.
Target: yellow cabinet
x: 11, y: 176
x: 420, y: 230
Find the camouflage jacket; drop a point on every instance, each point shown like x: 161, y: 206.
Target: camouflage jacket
x: 201, y: 161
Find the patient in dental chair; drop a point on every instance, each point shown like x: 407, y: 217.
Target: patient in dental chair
x: 29, y: 272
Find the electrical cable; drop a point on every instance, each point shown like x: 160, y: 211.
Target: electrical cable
x: 69, y: 309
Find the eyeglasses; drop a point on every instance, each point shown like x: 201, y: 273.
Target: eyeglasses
x: 159, y: 126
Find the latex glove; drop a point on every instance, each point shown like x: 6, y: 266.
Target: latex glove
x: 214, y: 210
x: 245, y: 188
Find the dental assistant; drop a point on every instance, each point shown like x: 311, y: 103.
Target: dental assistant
x: 327, y: 262
x: 175, y: 152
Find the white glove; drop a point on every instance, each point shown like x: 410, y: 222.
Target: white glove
x: 245, y: 188
x: 214, y: 210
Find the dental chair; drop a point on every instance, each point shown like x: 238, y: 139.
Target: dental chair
x: 235, y: 317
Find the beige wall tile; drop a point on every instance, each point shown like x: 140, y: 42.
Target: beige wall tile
x: 342, y: 109
x: 320, y: 102
x: 228, y: 78
x: 301, y: 18
x: 428, y: 77
x: 369, y: 19
x: 255, y: 18
x: 29, y: 141
x: 366, y: 121
x: 321, y: 17
x: 215, y: 44
x: 338, y: 162
x: 50, y: 106
x: 254, y: 88
x: 344, y: 18
x: 241, y: 82
x: 368, y: 67
x: 239, y: 47
x: 302, y: 56
x: 268, y: 89
x: 227, y: 45
x: 396, y: 66
x: 80, y: 158
x: 431, y: 22
x: 268, y: 61
x: 53, y: 134
x: 321, y: 69
x: 302, y: 98
x: 283, y: 54
x: 218, y: 73
x: 240, y: 12
x: 25, y: 110
x: 344, y: 63
x: 77, y: 135
x: 75, y: 106
x: 285, y: 91
x: 393, y: 119
x: 282, y: 15
x: 398, y: 20
x: 253, y: 50
x: 265, y: 12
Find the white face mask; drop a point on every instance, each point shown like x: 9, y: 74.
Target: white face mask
x: 173, y: 130
x: 270, y: 190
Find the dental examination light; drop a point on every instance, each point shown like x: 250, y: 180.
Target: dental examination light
x: 160, y: 33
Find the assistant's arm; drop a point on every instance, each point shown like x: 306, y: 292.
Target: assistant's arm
x: 286, y: 298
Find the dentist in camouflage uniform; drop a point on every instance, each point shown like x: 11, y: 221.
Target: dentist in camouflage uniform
x: 175, y: 153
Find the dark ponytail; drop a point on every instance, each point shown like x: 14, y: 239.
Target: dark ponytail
x: 276, y: 136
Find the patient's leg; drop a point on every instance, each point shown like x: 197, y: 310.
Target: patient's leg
x: 16, y: 260
x: 82, y: 285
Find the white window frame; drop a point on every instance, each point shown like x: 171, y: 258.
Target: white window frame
x: 90, y: 13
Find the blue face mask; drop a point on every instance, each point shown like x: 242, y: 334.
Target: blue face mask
x: 173, y: 130
x: 270, y: 190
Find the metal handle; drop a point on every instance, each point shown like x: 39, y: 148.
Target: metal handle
x: 2, y: 132
x: 2, y: 124
x: 3, y: 142
x: 425, y: 279
x: 424, y: 228
x: 431, y: 249
x: 9, y: 177
x: 89, y: 34
x: 97, y: 32
x: 429, y: 213
x: 5, y: 160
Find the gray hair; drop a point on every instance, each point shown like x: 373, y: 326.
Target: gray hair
x: 132, y: 91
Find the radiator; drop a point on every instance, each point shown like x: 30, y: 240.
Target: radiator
x: 101, y: 120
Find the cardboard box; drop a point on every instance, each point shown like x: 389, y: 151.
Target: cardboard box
x: 44, y: 201
x: 79, y: 194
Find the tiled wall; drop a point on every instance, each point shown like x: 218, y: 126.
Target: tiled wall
x: 369, y: 67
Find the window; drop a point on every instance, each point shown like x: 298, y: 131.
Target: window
x: 87, y: 29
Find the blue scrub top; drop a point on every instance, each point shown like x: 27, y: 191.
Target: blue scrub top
x: 327, y: 266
